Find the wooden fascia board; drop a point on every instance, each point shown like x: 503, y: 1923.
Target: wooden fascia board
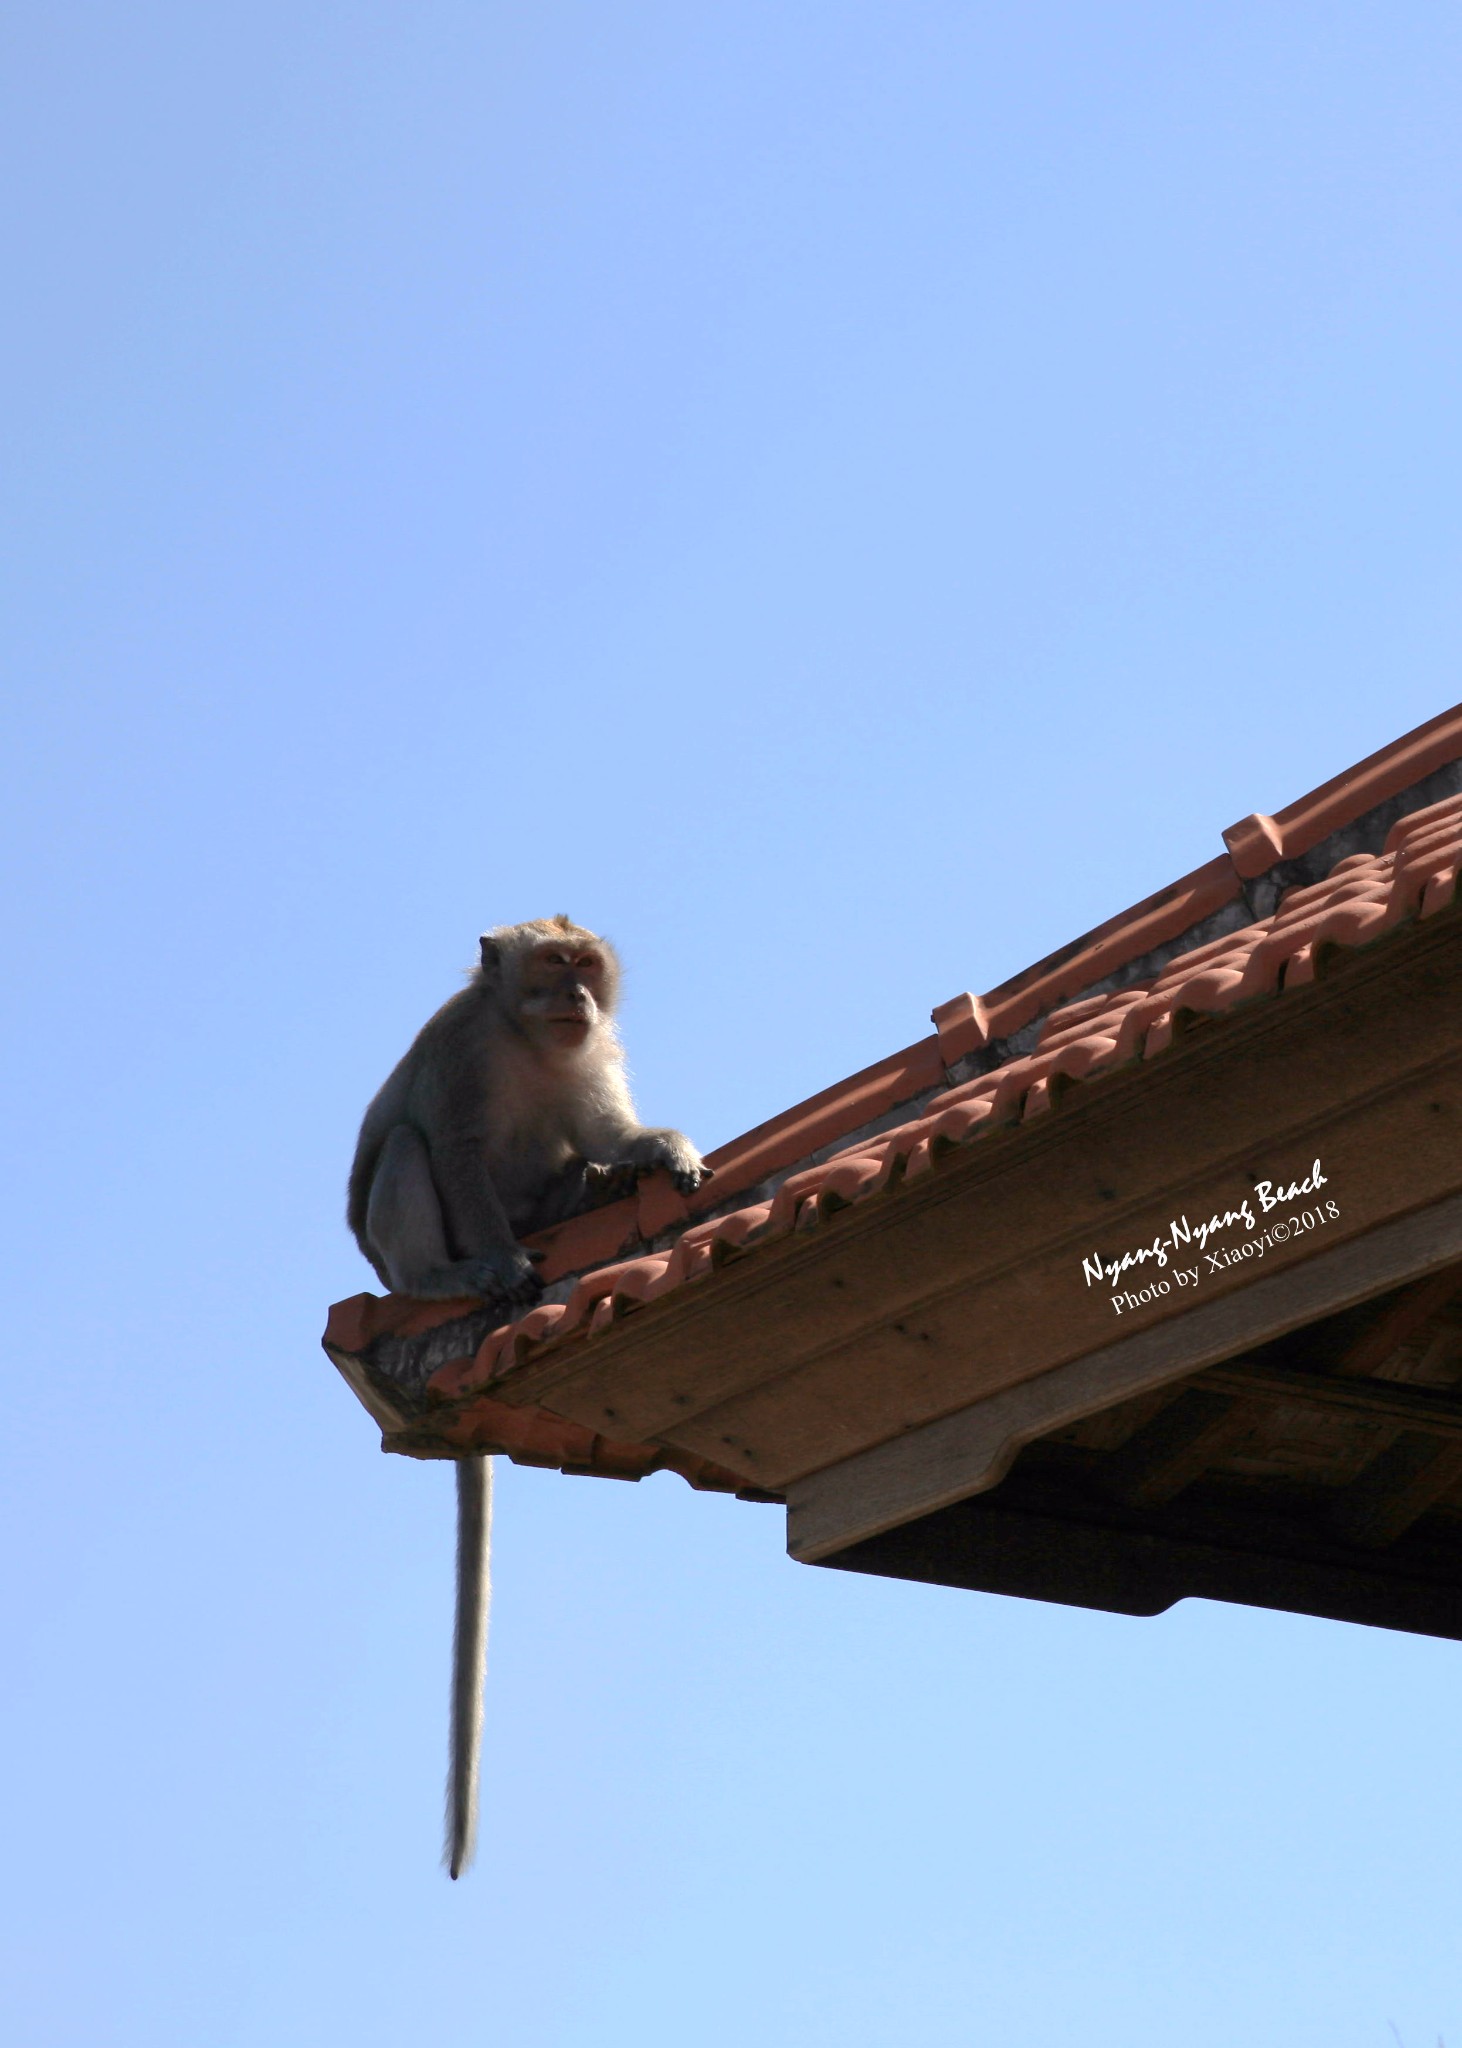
x: 388, y: 1416
x: 971, y: 1451
x: 969, y: 1281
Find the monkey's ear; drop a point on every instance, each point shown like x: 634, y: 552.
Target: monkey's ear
x: 492, y: 953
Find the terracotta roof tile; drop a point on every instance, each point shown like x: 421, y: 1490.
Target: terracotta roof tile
x: 1257, y: 842
x: 528, y: 1435
x: 968, y: 1022
x: 1172, y: 919
x: 1119, y: 993
x: 829, y: 1115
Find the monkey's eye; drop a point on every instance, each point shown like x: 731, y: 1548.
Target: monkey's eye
x: 555, y: 959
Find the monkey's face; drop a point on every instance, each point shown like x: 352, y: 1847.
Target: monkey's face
x: 564, y: 994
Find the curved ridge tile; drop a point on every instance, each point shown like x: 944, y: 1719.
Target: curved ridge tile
x: 1364, y: 897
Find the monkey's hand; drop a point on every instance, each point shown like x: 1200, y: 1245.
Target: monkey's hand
x: 670, y: 1149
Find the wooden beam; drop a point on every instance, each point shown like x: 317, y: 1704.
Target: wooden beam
x: 1214, y: 1417
x: 1396, y: 1488
x: 1427, y: 1409
x: 1402, y: 1320
x: 1193, y: 1432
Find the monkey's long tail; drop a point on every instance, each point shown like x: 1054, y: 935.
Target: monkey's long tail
x: 469, y: 1657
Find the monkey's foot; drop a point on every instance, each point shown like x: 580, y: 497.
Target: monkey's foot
x: 504, y: 1280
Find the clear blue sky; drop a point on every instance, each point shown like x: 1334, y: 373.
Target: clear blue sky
x: 842, y: 497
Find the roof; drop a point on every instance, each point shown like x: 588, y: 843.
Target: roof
x: 1338, y: 869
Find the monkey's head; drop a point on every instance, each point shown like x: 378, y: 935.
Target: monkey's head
x: 556, y: 981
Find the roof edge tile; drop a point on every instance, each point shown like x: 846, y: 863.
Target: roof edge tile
x: 832, y: 1113
x: 1166, y: 914
x: 1254, y: 845
x: 1386, y: 773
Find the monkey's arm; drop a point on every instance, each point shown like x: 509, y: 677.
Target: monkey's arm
x: 611, y: 1135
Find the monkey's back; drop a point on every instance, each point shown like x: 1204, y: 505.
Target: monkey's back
x: 453, y: 1039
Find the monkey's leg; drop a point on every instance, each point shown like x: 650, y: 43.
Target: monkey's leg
x: 476, y: 1223
x: 408, y: 1234
x: 469, y: 1658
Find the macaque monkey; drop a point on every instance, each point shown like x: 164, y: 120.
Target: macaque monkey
x: 511, y: 1111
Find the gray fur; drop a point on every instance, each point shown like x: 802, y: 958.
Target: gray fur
x: 469, y: 1658
x: 511, y: 1111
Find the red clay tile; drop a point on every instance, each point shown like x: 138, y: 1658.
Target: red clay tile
x: 1423, y: 829
x: 1363, y: 897
x: 1037, y: 1099
x: 356, y: 1323
x: 539, y: 1324
x: 638, y: 1280
x: 731, y: 1232
x: 1299, y: 968
x: 531, y: 1436
x: 1400, y: 766
x: 849, y: 1177
x: 462, y: 1376
x: 962, y: 1025
x: 821, y: 1119
x: 528, y: 1435
x: 957, y: 1121
x: 585, y: 1240
x: 1254, y: 845
x: 1165, y: 915
x: 658, y: 1205
x: 1440, y: 892
x: 920, y: 1159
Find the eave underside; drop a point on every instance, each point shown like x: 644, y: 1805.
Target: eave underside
x: 1320, y: 1473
